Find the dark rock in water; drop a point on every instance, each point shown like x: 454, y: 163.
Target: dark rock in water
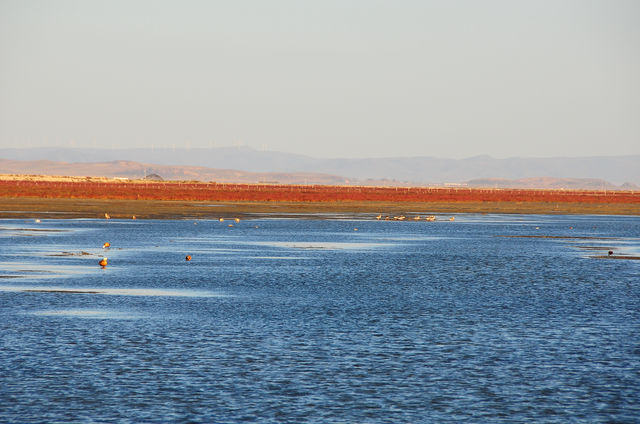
x: 154, y: 177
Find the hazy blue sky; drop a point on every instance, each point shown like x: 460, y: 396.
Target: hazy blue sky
x: 326, y: 78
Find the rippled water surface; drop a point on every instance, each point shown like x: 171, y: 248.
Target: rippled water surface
x: 485, y: 319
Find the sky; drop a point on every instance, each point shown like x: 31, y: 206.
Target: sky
x: 330, y: 78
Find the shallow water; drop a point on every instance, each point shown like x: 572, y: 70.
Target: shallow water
x: 284, y: 320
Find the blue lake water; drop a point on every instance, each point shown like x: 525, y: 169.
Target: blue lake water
x: 484, y: 319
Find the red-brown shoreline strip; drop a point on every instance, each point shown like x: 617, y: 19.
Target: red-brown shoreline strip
x: 198, y: 191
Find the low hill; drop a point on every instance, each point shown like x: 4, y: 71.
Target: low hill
x: 552, y: 183
x: 136, y: 170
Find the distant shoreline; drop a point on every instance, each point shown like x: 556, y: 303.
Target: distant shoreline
x: 75, y: 197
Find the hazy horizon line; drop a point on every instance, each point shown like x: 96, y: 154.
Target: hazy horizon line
x: 251, y: 148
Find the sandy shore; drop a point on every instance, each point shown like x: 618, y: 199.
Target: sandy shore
x: 27, y: 207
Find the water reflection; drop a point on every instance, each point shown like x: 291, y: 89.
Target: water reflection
x: 88, y: 313
x: 111, y: 291
x: 320, y: 245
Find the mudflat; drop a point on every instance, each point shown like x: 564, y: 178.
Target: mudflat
x: 33, y: 207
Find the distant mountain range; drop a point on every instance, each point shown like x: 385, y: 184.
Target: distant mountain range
x: 222, y: 163
x: 136, y: 170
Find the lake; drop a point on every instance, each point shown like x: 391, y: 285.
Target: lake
x: 489, y: 318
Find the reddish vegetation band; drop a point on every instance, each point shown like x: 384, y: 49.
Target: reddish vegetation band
x: 299, y: 193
